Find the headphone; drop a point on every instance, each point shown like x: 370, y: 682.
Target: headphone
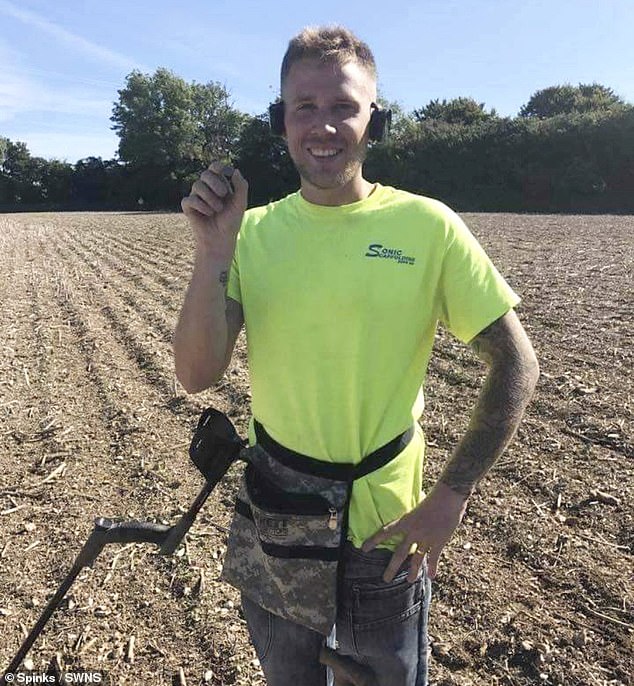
x: 380, y: 121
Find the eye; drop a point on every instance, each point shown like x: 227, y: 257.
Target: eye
x: 305, y: 107
x: 345, y: 108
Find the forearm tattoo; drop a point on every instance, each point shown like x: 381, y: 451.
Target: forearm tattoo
x: 513, y: 372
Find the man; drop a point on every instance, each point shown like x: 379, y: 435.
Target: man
x: 341, y: 286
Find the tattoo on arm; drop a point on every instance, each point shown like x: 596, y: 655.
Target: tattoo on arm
x: 513, y: 372
x: 224, y: 278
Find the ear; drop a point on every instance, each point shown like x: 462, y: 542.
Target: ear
x: 380, y: 121
x: 276, y: 118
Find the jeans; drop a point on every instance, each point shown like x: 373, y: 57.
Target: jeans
x: 383, y: 626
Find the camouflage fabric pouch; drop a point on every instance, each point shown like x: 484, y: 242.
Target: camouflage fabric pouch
x: 284, y: 543
x: 290, y: 526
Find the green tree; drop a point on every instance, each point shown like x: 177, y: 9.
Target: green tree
x: 457, y: 111
x: 264, y: 161
x: 15, y: 158
x: 89, y: 182
x: 6, y: 191
x: 218, y: 123
x: 4, y: 144
x: 152, y: 121
x: 567, y: 99
x: 170, y: 129
x: 57, y: 181
x: 22, y: 174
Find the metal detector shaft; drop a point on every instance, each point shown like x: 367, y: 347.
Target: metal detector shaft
x: 48, y: 611
x: 111, y: 531
x: 105, y: 531
x: 176, y: 533
x: 215, y: 447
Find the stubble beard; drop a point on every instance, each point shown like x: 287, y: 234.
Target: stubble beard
x: 329, y: 181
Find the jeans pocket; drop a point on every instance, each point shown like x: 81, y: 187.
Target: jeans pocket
x: 377, y: 603
x: 385, y: 623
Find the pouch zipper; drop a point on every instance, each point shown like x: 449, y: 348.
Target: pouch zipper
x: 332, y: 520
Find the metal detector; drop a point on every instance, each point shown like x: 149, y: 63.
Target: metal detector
x: 215, y: 446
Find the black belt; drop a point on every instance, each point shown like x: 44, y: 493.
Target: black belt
x: 342, y: 471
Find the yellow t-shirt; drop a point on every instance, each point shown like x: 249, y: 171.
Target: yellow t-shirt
x: 341, y: 306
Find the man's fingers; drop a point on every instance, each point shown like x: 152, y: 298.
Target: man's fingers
x: 399, y: 556
x: 241, y: 188
x: 202, y: 190
x: 381, y: 535
x: 196, y: 204
x: 227, y: 183
x: 432, y: 562
x: 217, y: 183
x: 224, y: 173
x: 217, y: 167
x: 416, y: 562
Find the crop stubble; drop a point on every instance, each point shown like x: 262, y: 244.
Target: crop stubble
x: 536, y: 586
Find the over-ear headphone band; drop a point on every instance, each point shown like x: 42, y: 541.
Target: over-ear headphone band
x: 276, y: 118
x: 380, y: 121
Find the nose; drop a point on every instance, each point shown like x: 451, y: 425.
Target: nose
x: 323, y: 123
x: 323, y: 129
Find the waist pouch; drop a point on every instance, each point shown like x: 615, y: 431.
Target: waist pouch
x: 290, y: 526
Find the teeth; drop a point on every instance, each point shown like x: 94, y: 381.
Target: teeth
x: 320, y: 152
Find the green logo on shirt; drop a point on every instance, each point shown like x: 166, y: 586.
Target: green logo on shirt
x: 378, y: 250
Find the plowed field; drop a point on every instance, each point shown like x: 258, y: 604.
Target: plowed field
x: 537, y: 585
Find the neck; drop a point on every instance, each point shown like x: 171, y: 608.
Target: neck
x: 355, y: 190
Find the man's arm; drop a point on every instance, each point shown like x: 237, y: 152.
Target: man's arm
x: 208, y: 327
x: 209, y: 321
x: 509, y: 385
x: 511, y: 380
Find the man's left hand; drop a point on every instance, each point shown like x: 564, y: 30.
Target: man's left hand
x: 429, y: 526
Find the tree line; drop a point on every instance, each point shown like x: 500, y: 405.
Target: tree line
x: 569, y: 149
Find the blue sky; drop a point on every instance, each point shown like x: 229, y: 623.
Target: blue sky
x: 61, y: 64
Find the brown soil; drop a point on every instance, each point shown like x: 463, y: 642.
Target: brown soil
x: 535, y: 588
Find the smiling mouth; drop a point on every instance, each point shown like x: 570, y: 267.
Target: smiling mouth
x: 324, y: 153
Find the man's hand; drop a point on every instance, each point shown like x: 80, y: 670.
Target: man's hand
x: 429, y: 526
x: 215, y: 208
x: 513, y: 372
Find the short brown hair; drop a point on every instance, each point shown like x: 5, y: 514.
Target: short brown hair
x: 327, y: 44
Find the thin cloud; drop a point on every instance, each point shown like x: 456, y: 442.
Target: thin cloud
x: 19, y: 95
x: 68, y: 38
x: 22, y: 95
x: 74, y: 78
